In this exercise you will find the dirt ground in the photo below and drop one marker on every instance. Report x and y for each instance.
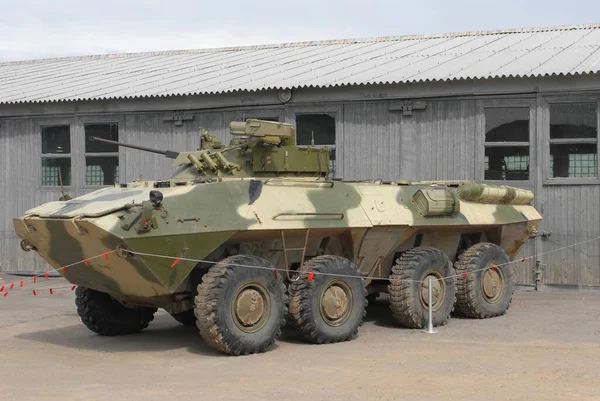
(547, 347)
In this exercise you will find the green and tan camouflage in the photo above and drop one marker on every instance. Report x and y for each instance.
(262, 195)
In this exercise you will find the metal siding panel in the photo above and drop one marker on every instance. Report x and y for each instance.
(523, 271)
(425, 63)
(446, 131)
(374, 64)
(150, 130)
(402, 59)
(571, 214)
(19, 162)
(372, 141)
(345, 58)
(409, 148)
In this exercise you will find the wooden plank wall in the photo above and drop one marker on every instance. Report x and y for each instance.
(572, 214)
(440, 142)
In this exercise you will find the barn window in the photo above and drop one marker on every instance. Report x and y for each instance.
(317, 130)
(56, 155)
(101, 159)
(574, 140)
(506, 143)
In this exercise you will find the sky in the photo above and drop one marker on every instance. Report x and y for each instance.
(46, 29)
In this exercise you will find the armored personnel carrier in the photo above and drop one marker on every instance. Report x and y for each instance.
(249, 235)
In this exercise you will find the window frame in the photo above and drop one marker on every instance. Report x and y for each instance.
(120, 154)
(263, 113)
(482, 144)
(547, 180)
(336, 112)
(39, 125)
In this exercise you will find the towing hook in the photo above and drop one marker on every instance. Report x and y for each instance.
(27, 246)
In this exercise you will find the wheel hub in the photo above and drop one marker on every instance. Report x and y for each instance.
(336, 303)
(250, 308)
(492, 284)
(438, 290)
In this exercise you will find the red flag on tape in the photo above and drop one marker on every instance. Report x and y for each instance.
(51, 292)
(523, 260)
(106, 256)
(12, 285)
(21, 283)
(310, 276)
(1, 288)
(64, 269)
(46, 274)
(34, 279)
(493, 267)
(85, 262)
(34, 293)
(5, 294)
(175, 263)
(73, 288)
(276, 274)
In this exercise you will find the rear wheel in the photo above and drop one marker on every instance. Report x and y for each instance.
(331, 307)
(241, 305)
(409, 286)
(106, 316)
(487, 289)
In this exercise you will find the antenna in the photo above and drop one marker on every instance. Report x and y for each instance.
(312, 138)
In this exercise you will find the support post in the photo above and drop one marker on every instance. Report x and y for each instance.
(430, 329)
(537, 274)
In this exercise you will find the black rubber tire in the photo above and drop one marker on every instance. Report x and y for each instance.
(214, 317)
(372, 298)
(404, 294)
(470, 300)
(305, 299)
(187, 318)
(103, 315)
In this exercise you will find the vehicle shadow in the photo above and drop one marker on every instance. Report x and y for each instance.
(379, 313)
(163, 334)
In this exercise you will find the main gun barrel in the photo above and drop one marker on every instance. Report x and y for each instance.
(167, 153)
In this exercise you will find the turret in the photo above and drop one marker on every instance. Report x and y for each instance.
(259, 148)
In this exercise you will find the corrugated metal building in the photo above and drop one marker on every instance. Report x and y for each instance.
(517, 106)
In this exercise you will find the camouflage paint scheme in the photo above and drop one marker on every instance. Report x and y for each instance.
(258, 195)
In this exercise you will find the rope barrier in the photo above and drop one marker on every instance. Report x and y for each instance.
(310, 274)
(46, 274)
(396, 281)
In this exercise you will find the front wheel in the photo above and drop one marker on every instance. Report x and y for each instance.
(241, 305)
(331, 307)
(106, 316)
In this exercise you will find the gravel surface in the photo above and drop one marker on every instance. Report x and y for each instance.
(547, 347)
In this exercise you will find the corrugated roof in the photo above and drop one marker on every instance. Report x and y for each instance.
(567, 50)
